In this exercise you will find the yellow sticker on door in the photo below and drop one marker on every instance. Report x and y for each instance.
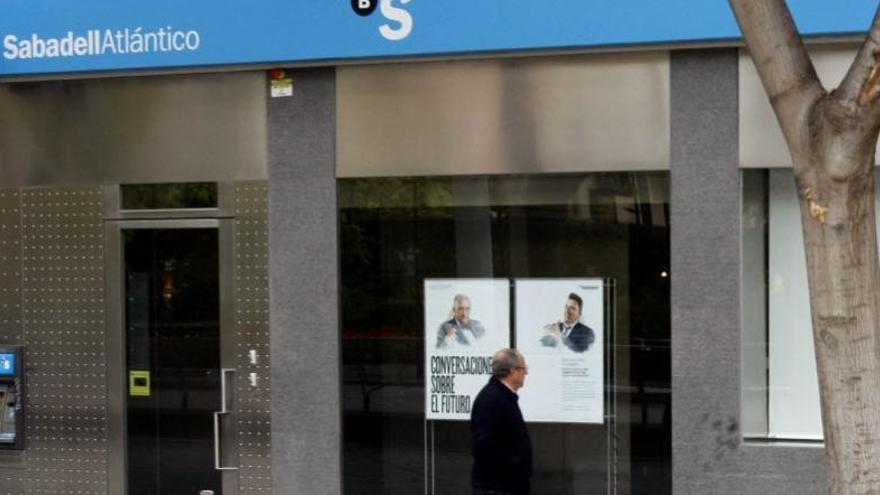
(139, 383)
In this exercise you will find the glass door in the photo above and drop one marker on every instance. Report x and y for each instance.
(171, 305)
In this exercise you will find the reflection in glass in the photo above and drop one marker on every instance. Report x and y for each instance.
(397, 232)
(169, 196)
(172, 335)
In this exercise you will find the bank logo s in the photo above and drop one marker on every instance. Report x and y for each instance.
(400, 23)
(400, 16)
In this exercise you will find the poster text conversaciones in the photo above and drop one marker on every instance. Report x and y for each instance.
(444, 398)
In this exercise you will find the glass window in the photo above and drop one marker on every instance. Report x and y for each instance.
(754, 304)
(397, 232)
(780, 385)
(169, 196)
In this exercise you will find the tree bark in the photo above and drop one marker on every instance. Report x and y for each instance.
(842, 267)
(832, 138)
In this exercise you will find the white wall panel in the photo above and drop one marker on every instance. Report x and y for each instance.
(761, 144)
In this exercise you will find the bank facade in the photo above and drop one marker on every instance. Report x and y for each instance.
(219, 227)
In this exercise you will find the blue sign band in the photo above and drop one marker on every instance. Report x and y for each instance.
(55, 36)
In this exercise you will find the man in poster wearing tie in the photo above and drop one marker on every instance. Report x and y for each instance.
(570, 332)
(461, 329)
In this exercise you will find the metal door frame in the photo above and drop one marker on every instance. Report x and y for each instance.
(116, 383)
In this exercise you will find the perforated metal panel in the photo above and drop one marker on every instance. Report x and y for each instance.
(252, 334)
(11, 483)
(52, 299)
(12, 473)
(62, 280)
(10, 268)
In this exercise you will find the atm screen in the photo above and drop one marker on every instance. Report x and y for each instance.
(7, 364)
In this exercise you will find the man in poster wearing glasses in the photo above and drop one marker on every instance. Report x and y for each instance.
(461, 330)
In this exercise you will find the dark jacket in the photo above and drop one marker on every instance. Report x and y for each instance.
(502, 449)
(580, 338)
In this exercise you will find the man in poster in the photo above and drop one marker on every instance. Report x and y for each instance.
(570, 332)
(461, 329)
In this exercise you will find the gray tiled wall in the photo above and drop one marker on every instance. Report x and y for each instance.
(303, 280)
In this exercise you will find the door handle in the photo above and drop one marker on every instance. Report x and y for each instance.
(224, 411)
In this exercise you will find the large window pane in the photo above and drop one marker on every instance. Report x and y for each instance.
(397, 232)
(780, 383)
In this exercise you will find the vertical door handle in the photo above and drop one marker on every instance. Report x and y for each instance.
(224, 411)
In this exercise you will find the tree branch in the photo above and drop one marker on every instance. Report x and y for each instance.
(862, 82)
(784, 66)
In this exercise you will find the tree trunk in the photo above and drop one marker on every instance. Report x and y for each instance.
(832, 138)
(837, 212)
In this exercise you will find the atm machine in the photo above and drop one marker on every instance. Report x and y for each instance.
(12, 398)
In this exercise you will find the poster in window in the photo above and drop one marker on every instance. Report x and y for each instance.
(466, 321)
(560, 331)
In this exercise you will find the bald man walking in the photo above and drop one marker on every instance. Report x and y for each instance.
(501, 445)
